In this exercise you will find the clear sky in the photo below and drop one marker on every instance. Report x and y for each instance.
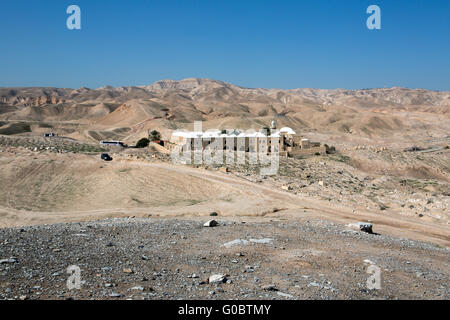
(252, 43)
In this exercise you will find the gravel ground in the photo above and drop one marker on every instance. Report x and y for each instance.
(155, 258)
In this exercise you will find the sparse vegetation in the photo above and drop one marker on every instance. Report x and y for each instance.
(58, 145)
(266, 130)
(142, 143)
(344, 128)
(154, 136)
(45, 125)
(341, 158)
(330, 150)
(15, 128)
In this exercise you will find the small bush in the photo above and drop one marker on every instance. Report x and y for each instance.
(330, 150)
(155, 135)
(142, 143)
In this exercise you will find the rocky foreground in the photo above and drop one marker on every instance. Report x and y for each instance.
(245, 258)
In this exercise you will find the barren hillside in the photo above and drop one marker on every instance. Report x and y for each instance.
(286, 236)
(409, 114)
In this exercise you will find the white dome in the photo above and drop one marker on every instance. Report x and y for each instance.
(287, 130)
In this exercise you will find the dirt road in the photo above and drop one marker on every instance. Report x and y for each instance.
(164, 189)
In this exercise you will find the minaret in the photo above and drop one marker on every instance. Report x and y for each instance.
(274, 126)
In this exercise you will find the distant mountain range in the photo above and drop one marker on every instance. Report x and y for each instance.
(170, 104)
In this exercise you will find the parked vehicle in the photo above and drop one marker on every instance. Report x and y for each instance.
(105, 157)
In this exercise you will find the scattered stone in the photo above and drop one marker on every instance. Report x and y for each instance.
(140, 288)
(285, 295)
(116, 295)
(10, 260)
(249, 269)
(235, 242)
(263, 241)
(314, 284)
(270, 287)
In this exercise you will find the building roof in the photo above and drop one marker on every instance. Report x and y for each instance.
(287, 130)
(217, 134)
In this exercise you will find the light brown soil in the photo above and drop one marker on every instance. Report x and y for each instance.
(43, 188)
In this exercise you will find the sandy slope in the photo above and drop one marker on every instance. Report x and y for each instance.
(42, 188)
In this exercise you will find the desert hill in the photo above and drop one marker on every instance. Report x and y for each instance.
(169, 104)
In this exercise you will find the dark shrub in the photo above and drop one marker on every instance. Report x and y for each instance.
(155, 135)
(142, 143)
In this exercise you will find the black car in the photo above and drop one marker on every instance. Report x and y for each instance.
(106, 157)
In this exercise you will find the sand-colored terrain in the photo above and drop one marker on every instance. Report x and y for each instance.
(43, 188)
(134, 224)
(398, 115)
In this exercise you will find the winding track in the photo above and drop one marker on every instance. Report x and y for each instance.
(259, 199)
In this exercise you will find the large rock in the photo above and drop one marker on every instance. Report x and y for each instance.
(217, 278)
(211, 223)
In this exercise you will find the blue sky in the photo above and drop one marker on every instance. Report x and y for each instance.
(253, 43)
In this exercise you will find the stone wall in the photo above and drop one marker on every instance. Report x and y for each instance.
(310, 151)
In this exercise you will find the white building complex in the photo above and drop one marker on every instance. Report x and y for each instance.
(283, 141)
